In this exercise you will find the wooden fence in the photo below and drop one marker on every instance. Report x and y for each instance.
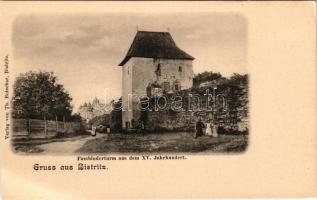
(35, 128)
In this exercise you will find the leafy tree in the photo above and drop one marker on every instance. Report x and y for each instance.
(38, 95)
(100, 120)
(237, 96)
(238, 79)
(205, 76)
(86, 111)
(76, 118)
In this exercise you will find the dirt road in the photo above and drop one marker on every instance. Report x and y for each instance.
(66, 147)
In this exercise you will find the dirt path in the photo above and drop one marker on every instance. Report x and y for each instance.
(65, 147)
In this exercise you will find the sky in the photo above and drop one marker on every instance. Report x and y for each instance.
(84, 50)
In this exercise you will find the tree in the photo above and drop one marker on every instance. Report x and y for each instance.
(86, 111)
(38, 95)
(204, 77)
(76, 118)
(237, 97)
(238, 79)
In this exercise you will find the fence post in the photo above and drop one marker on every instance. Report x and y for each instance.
(56, 124)
(64, 124)
(29, 128)
(45, 131)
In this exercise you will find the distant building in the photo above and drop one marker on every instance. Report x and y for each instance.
(153, 65)
(94, 109)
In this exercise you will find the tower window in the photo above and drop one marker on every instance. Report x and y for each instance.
(177, 86)
(166, 86)
(180, 69)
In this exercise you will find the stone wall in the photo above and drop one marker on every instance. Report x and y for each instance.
(232, 116)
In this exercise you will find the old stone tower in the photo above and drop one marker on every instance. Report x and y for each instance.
(153, 63)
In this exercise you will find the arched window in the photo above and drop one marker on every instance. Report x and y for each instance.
(148, 90)
(166, 86)
(177, 86)
(180, 68)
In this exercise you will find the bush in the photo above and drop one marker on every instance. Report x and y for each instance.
(229, 131)
(103, 120)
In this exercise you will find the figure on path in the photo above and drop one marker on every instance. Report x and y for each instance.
(199, 128)
(208, 128)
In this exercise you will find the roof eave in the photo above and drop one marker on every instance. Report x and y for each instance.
(126, 59)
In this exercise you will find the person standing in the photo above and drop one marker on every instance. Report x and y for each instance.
(208, 129)
(93, 131)
(141, 127)
(214, 131)
(199, 128)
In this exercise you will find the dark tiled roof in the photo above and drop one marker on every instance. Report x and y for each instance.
(154, 45)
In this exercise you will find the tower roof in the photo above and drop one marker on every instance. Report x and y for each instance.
(154, 45)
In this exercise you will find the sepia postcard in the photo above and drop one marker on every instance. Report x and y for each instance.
(104, 100)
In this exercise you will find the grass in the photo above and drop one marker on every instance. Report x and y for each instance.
(165, 143)
(26, 148)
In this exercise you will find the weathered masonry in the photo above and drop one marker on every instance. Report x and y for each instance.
(153, 64)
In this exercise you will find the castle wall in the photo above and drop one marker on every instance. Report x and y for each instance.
(167, 119)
